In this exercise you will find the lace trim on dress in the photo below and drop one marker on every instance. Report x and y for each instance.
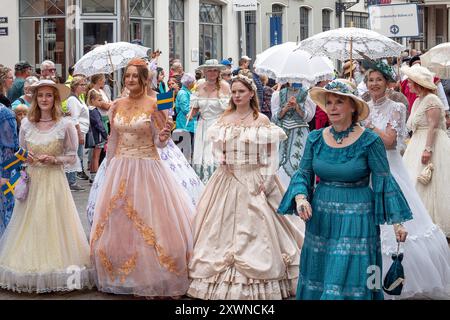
(257, 133)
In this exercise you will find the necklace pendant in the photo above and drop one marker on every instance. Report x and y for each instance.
(339, 140)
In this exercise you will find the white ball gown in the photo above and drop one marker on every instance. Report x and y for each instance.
(426, 253)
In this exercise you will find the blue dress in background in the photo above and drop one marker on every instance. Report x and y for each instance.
(342, 239)
(9, 143)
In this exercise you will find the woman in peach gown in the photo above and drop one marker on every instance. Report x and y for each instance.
(141, 238)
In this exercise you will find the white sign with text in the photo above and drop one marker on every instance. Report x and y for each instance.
(245, 5)
(400, 20)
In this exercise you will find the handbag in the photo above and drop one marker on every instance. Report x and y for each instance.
(426, 174)
(89, 140)
(22, 186)
(395, 277)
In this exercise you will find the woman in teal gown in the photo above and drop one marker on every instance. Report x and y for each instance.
(341, 255)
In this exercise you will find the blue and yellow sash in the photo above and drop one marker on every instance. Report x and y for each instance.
(13, 164)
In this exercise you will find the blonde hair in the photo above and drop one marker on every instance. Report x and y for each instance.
(3, 76)
(34, 115)
(92, 94)
(76, 82)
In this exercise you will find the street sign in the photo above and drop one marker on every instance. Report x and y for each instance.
(3, 19)
(397, 20)
(245, 5)
(3, 31)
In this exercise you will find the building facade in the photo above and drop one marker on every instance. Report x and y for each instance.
(189, 30)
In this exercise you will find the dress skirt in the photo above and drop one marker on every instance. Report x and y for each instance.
(243, 249)
(45, 248)
(141, 238)
(435, 195)
(342, 244)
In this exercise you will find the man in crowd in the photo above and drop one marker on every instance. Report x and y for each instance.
(22, 70)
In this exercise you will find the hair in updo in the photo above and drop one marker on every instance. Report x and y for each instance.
(142, 69)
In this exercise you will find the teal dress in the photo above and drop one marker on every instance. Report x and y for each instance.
(341, 253)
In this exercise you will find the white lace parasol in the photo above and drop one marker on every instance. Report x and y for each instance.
(437, 59)
(285, 64)
(108, 58)
(335, 44)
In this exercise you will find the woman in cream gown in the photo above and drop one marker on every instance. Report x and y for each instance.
(45, 246)
(242, 248)
(427, 109)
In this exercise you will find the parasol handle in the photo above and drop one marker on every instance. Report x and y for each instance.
(351, 53)
(351, 58)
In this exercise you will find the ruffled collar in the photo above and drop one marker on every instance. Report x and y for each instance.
(380, 101)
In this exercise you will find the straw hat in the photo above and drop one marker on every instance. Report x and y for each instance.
(420, 75)
(348, 65)
(343, 88)
(64, 91)
(212, 64)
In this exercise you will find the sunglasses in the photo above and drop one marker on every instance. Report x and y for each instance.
(226, 74)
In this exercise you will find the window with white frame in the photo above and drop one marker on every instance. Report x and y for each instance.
(142, 22)
(107, 7)
(210, 46)
(42, 30)
(304, 22)
(176, 30)
(326, 19)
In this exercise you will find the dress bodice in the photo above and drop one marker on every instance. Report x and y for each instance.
(210, 108)
(235, 144)
(384, 112)
(135, 135)
(418, 118)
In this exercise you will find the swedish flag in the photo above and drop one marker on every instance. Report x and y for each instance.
(9, 186)
(20, 156)
(165, 100)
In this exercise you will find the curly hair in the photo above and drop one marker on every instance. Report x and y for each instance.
(4, 71)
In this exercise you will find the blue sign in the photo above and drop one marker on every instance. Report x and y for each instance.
(276, 31)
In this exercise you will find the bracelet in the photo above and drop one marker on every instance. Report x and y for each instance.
(428, 149)
(300, 197)
(398, 224)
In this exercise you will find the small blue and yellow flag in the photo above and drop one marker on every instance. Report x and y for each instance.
(165, 100)
(10, 185)
(20, 156)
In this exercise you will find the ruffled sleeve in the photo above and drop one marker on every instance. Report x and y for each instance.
(70, 144)
(390, 203)
(303, 180)
(432, 101)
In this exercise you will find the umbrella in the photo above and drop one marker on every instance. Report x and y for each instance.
(437, 59)
(344, 44)
(108, 58)
(285, 64)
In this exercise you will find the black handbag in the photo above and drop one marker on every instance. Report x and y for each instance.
(395, 277)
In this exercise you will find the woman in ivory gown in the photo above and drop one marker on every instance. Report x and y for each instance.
(426, 253)
(242, 248)
(141, 237)
(429, 143)
(208, 103)
(44, 243)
